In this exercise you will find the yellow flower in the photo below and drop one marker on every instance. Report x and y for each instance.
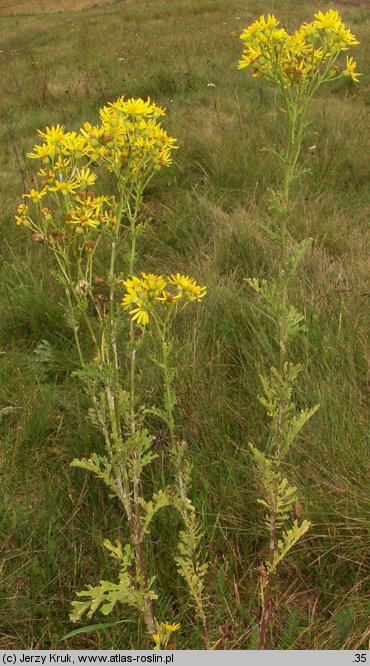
(92, 202)
(129, 299)
(140, 315)
(22, 217)
(280, 35)
(134, 290)
(291, 60)
(170, 628)
(164, 157)
(167, 297)
(22, 209)
(44, 152)
(64, 186)
(89, 213)
(46, 174)
(137, 107)
(188, 285)
(142, 293)
(350, 70)
(74, 144)
(132, 283)
(107, 219)
(132, 143)
(97, 202)
(154, 284)
(83, 217)
(164, 631)
(157, 132)
(346, 36)
(260, 26)
(249, 56)
(91, 132)
(85, 177)
(61, 164)
(329, 20)
(264, 44)
(35, 195)
(113, 122)
(144, 144)
(53, 134)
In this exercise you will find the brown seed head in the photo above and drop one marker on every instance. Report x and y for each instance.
(98, 279)
(38, 238)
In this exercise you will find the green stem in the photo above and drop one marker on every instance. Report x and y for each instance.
(90, 329)
(75, 327)
(161, 328)
(132, 384)
(296, 120)
(136, 530)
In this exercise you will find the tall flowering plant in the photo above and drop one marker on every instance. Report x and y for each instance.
(297, 65)
(69, 215)
(154, 301)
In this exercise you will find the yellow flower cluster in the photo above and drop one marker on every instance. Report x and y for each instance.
(297, 59)
(143, 294)
(129, 142)
(58, 144)
(72, 205)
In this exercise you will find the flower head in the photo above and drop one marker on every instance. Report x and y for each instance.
(188, 287)
(44, 152)
(170, 628)
(350, 70)
(153, 284)
(163, 634)
(330, 19)
(62, 164)
(136, 107)
(35, 195)
(53, 134)
(74, 144)
(332, 22)
(144, 295)
(64, 186)
(297, 59)
(131, 141)
(84, 177)
(22, 217)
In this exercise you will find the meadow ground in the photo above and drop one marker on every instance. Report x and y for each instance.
(61, 66)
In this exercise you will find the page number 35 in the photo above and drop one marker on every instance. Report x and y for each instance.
(359, 658)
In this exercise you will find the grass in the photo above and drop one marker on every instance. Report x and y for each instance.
(61, 68)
